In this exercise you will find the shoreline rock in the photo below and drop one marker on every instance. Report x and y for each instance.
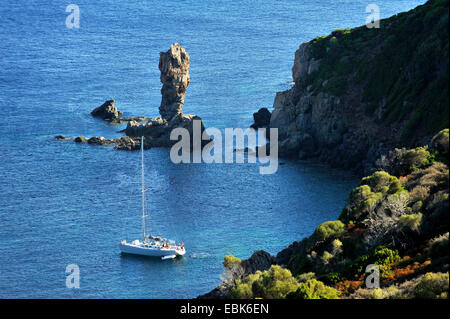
(107, 111)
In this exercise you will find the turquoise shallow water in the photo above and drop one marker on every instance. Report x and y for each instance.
(63, 203)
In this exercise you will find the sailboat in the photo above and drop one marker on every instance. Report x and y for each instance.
(155, 246)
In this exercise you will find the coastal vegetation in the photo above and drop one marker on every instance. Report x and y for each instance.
(364, 99)
(398, 222)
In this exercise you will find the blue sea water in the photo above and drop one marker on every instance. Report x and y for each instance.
(62, 203)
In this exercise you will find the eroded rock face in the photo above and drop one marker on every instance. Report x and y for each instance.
(174, 66)
(157, 130)
(261, 118)
(107, 111)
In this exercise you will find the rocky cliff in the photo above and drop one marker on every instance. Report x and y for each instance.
(361, 92)
(174, 66)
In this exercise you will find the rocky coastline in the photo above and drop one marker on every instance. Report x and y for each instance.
(397, 218)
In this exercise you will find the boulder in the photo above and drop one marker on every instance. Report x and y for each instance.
(174, 67)
(107, 111)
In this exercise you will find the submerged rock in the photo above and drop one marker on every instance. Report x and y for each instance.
(107, 111)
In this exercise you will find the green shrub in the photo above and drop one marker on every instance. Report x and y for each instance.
(274, 283)
(410, 221)
(329, 229)
(371, 201)
(314, 289)
(395, 187)
(336, 246)
(432, 286)
(359, 194)
(404, 161)
(243, 288)
(230, 261)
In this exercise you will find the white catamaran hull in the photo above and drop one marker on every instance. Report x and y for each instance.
(156, 246)
(154, 251)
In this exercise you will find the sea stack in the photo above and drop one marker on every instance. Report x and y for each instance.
(174, 66)
(107, 111)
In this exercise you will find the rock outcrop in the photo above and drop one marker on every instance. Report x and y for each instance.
(357, 93)
(107, 111)
(124, 143)
(406, 237)
(174, 66)
(261, 118)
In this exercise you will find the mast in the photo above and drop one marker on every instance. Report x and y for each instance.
(143, 190)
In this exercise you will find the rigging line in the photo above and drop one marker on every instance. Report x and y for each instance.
(131, 191)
